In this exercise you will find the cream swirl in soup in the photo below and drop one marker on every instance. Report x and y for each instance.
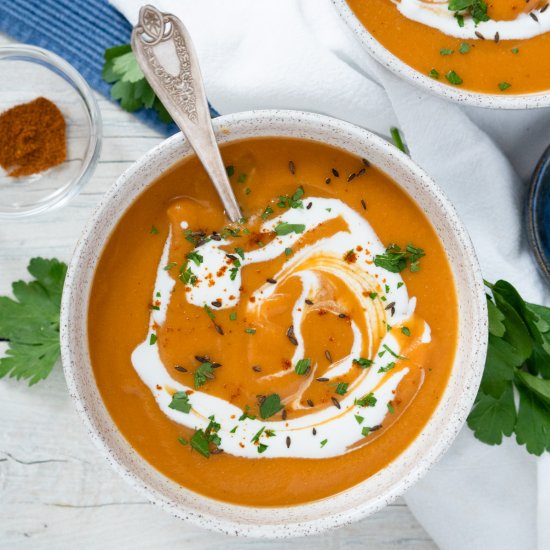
(440, 16)
(377, 360)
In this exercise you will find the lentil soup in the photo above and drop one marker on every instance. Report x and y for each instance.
(284, 358)
(496, 47)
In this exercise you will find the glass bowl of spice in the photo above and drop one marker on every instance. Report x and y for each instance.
(50, 131)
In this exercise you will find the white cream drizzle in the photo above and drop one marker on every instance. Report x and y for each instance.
(338, 427)
(438, 16)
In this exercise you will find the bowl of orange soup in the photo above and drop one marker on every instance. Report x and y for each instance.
(485, 54)
(293, 371)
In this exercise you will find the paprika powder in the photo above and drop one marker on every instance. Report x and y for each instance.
(32, 138)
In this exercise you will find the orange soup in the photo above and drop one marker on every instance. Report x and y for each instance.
(498, 47)
(283, 358)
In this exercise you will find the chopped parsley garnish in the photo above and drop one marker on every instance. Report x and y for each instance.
(302, 366)
(249, 330)
(241, 178)
(285, 228)
(270, 405)
(154, 230)
(288, 251)
(262, 447)
(183, 441)
(434, 74)
(365, 431)
(391, 352)
(266, 213)
(373, 295)
(233, 273)
(233, 316)
(341, 388)
(233, 430)
(362, 363)
(464, 48)
(246, 414)
(240, 252)
(395, 260)
(459, 19)
(203, 373)
(152, 339)
(453, 78)
(186, 275)
(387, 368)
(169, 266)
(446, 51)
(180, 402)
(256, 437)
(247, 191)
(391, 410)
(195, 257)
(366, 401)
(324, 442)
(515, 50)
(406, 331)
(397, 140)
(477, 9)
(209, 311)
(293, 201)
(359, 419)
(202, 438)
(230, 170)
(503, 86)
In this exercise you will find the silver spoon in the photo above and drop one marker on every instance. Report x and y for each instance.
(165, 53)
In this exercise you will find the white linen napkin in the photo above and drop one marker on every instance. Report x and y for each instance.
(297, 54)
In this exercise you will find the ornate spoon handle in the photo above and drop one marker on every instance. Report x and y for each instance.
(165, 53)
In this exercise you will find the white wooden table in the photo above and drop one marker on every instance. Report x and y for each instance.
(56, 491)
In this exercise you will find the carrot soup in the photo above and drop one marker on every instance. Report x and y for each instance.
(283, 358)
(498, 47)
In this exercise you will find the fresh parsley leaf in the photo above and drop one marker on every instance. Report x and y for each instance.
(285, 228)
(30, 322)
(270, 405)
(203, 373)
(362, 363)
(453, 78)
(397, 140)
(199, 442)
(302, 366)
(180, 402)
(129, 85)
(395, 260)
(368, 400)
(518, 359)
(341, 388)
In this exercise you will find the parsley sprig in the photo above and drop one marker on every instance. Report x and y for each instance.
(518, 363)
(30, 322)
(396, 260)
(129, 86)
(477, 9)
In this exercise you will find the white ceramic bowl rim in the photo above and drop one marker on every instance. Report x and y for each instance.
(400, 68)
(360, 500)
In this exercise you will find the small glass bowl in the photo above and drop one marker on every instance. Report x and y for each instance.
(27, 72)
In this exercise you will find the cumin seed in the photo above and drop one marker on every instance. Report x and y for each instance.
(309, 206)
(335, 173)
(363, 204)
(271, 280)
(327, 181)
(335, 402)
(314, 431)
(497, 38)
(216, 303)
(479, 35)
(202, 358)
(219, 329)
(180, 369)
(322, 379)
(283, 414)
(533, 16)
(328, 355)
(257, 368)
(365, 162)
(310, 403)
(288, 442)
(351, 177)
(292, 167)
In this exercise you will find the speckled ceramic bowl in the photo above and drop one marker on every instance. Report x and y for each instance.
(400, 68)
(352, 504)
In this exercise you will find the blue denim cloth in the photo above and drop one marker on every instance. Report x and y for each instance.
(77, 30)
